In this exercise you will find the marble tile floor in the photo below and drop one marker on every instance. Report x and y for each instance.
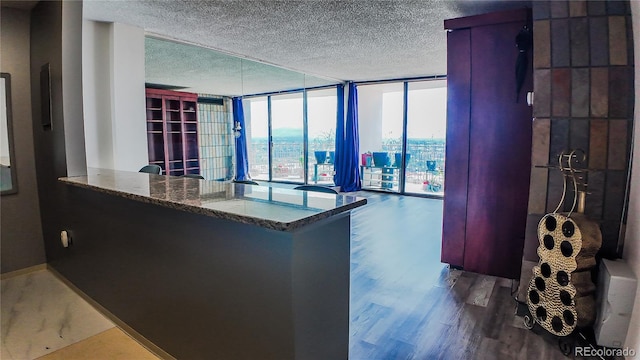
(40, 315)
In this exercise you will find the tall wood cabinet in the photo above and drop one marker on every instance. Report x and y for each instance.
(488, 151)
(172, 131)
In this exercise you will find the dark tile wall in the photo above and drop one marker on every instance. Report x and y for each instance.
(583, 70)
(599, 41)
(561, 85)
(578, 8)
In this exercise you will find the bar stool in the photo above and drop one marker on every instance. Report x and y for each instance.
(151, 169)
(317, 188)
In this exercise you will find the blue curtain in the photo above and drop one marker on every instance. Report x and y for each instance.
(339, 158)
(242, 162)
(347, 143)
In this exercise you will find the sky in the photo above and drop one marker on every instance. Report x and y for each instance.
(287, 113)
(426, 114)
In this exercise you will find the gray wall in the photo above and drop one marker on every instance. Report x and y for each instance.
(57, 154)
(21, 242)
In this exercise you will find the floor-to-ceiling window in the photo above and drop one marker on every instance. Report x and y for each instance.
(256, 111)
(426, 131)
(279, 130)
(321, 125)
(287, 137)
(394, 116)
(380, 116)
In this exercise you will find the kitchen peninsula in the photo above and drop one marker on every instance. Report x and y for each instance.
(207, 269)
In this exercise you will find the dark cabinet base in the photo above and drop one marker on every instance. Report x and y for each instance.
(206, 288)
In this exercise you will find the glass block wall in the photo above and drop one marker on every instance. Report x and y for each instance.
(215, 138)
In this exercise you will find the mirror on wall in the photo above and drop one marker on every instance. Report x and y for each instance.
(8, 176)
(217, 77)
(186, 67)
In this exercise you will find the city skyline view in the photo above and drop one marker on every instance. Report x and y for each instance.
(381, 130)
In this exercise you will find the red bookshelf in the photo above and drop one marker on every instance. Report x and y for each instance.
(172, 131)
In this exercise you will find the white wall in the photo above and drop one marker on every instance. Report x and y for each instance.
(96, 75)
(128, 98)
(632, 238)
(114, 97)
(72, 87)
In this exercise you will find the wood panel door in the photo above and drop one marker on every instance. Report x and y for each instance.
(457, 147)
(486, 196)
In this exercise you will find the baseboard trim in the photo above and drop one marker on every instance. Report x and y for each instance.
(136, 336)
(24, 271)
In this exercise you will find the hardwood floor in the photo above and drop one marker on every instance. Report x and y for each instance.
(405, 304)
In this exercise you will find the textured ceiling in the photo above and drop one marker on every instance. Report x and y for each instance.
(341, 40)
(201, 70)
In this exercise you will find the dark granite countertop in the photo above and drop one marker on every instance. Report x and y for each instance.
(264, 206)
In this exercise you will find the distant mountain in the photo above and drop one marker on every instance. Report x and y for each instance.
(295, 135)
(287, 133)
